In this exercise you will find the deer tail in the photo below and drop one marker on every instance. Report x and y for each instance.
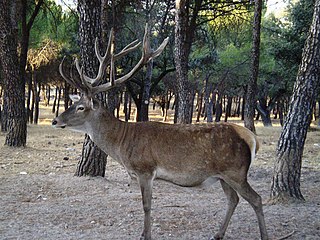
(250, 138)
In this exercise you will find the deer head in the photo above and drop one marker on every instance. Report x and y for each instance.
(79, 113)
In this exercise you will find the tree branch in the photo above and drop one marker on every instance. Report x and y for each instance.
(34, 14)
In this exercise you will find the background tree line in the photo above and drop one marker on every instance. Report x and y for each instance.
(218, 65)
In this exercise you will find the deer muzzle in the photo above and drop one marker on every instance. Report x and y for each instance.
(57, 123)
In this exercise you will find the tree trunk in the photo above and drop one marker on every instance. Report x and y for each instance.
(58, 101)
(126, 107)
(32, 103)
(14, 85)
(93, 161)
(29, 95)
(4, 114)
(95, 164)
(181, 61)
(264, 111)
(209, 111)
(228, 108)
(144, 111)
(44, 94)
(280, 111)
(184, 34)
(243, 106)
(168, 97)
(66, 91)
(218, 107)
(319, 113)
(287, 169)
(48, 95)
(37, 101)
(112, 102)
(252, 84)
(199, 103)
(208, 103)
(55, 100)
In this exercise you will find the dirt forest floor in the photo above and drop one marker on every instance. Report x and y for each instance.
(40, 198)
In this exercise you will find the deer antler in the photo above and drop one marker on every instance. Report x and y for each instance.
(90, 85)
(70, 79)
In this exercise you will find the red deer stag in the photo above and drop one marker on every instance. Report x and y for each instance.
(186, 155)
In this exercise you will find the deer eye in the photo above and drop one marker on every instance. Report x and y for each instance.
(80, 108)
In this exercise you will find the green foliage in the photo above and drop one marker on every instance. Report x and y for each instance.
(282, 43)
(54, 24)
(232, 70)
(225, 51)
(53, 34)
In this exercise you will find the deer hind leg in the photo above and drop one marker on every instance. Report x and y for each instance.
(233, 200)
(146, 182)
(254, 199)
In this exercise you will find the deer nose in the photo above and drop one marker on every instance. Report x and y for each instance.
(54, 122)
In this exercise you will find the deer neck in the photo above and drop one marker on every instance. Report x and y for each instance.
(106, 131)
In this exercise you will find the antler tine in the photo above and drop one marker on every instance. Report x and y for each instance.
(71, 81)
(147, 54)
(130, 47)
(147, 49)
(112, 72)
(110, 43)
(103, 60)
(159, 50)
(62, 73)
(86, 85)
(97, 50)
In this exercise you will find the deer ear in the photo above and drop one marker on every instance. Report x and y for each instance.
(74, 98)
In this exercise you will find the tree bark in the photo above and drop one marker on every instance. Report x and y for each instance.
(4, 113)
(287, 170)
(208, 103)
(228, 109)
(26, 25)
(184, 34)
(29, 91)
(252, 84)
(93, 161)
(55, 100)
(199, 104)
(125, 106)
(145, 99)
(66, 91)
(264, 110)
(58, 101)
(36, 99)
(218, 108)
(48, 95)
(14, 86)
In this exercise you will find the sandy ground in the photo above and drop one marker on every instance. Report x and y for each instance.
(41, 199)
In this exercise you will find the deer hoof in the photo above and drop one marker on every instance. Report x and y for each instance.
(144, 237)
(217, 237)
